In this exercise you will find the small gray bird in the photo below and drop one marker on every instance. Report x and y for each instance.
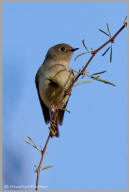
(52, 79)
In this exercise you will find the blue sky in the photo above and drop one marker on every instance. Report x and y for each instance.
(90, 153)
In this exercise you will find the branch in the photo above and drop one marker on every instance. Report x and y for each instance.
(111, 40)
(41, 160)
(68, 92)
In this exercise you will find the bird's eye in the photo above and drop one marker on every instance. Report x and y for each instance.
(62, 48)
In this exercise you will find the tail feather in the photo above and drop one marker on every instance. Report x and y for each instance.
(61, 114)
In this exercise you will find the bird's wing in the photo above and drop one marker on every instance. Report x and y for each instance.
(61, 112)
(45, 109)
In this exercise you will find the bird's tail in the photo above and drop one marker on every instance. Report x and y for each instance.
(54, 124)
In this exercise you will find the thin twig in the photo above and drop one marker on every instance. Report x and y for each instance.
(41, 160)
(80, 83)
(111, 40)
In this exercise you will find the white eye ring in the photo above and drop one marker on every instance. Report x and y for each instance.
(62, 49)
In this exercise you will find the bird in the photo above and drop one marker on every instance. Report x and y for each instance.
(52, 79)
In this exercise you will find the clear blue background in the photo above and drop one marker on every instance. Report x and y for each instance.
(90, 153)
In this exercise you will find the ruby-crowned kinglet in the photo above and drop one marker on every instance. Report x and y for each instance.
(52, 79)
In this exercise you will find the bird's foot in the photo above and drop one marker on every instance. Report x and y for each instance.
(53, 128)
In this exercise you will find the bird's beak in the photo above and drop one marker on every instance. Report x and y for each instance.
(74, 49)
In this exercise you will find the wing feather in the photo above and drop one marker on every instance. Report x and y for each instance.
(44, 108)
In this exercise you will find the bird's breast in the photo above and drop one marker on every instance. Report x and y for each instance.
(53, 82)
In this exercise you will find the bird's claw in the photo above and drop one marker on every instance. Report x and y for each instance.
(53, 128)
